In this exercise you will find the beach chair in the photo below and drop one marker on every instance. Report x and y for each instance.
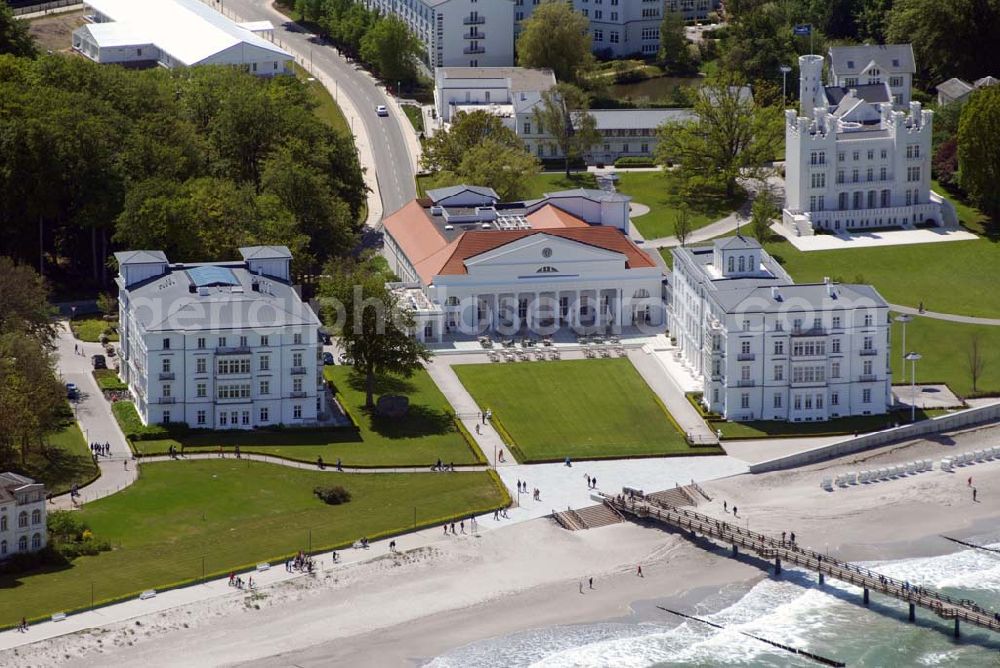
(980, 455)
(911, 467)
(883, 474)
(930, 464)
(946, 464)
(827, 484)
(900, 470)
(864, 477)
(555, 354)
(852, 478)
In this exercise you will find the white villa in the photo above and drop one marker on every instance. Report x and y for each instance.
(513, 94)
(221, 345)
(853, 159)
(175, 33)
(470, 264)
(767, 348)
(22, 515)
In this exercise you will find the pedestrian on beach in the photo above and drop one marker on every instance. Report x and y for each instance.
(593, 482)
(735, 511)
(453, 528)
(973, 493)
(496, 514)
(638, 571)
(725, 506)
(477, 429)
(581, 586)
(587, 476)
(126, 464)
(591, 583)
(461, 525)
(792, 536)
(445, 528)
(970, 481)
(782, 537)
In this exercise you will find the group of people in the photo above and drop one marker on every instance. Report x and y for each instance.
(522, 488)
(237, 581)
(790, 536)
(22, 626)
(443, 467)
(100, 450)
(461, 527)
(591, 481)
(302, 562)
(500, 512)
(486, 416)
(725, 507)
(172, 451)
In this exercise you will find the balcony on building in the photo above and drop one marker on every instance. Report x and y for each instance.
(474, 20)
(745, 383)
(166, 375)
(166, 400)
(299, 370)
(232, 350)
(809, 331)
(478, 34)
(746, 357)
(473, 50)
(298, 394)
(867, 378)
(868, 351)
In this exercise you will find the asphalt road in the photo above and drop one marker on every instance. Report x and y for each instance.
(392, 161)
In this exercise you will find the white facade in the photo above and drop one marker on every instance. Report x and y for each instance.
(175, 33)
(22, 515)
(854, 161)
(620, 28)
(472, 265)
(226, 345)
(457, 33)
(769, 349)
(867, 64)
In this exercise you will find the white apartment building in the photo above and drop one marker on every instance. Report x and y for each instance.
(867, 65)
(22, 515)
(514, 93)
(767, 348)
(470, 264)
(455, 33)
(854, 161)
(621, 28)
(175, 33)
(221, 345)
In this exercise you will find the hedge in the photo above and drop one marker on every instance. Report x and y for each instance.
(135, 430)
(470, 441)
(634, 161)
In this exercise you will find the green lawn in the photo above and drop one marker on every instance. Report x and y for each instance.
(235, 514)
(579, 408)
(416, 117)
(327, 109)
(848, 425)
(427, 434)
(909, 275)
(90, 327)
(970, 217)
(107, 379)
(64, 460)
(654, 189)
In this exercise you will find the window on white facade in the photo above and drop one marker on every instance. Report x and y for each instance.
(265, 362)
(297, 338)
(779, 372)
(835, 370)
(264, 341)
(265, 387)
(201, 390)
(263, 414)
(746, 325)
(779, 347)
(745, 400)
(835, 399)
(744, 347)
(297, 412)
(866, 396)
(201, 365)
(868, 343)
(777, 400)
(797, 402)
(200, 417)
(744, 372)
(868, 320)
(867, 368)
(165, 390)
(201, 342)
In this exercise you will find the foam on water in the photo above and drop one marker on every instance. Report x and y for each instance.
(792, 611)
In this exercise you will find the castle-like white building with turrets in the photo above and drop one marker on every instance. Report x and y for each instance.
(857, 153)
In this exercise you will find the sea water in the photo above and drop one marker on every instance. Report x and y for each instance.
(793, 610)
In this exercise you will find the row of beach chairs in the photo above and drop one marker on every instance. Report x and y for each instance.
(877, 475)
(966, 458)
(603, 351)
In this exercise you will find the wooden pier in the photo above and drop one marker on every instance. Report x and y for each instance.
(787, 552)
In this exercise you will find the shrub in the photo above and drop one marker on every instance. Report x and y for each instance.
(70, 537)
(333, 495)
(635, 161)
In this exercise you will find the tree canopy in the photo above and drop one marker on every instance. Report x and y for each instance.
(728, 137)
(979, 150)
(14, 36)
(563, 115)
(370, 323)
(558, 38)
(191, 161)
(392, 49)
(675, 54)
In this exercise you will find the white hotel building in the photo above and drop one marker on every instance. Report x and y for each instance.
(222, 345)
(767, 348)
(853, 159)
(22, 515)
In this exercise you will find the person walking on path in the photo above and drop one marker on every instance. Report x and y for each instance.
(581, 586)
(638, 570)
(970, 481)
(725, 506)
(591, 583)
(593, 482)
(587, 476)
(973, 493)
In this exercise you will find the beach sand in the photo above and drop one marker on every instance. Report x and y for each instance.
(402, 610)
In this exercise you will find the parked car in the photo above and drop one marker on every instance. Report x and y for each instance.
(380, 110)
(328, 358)
(99, 362)
(72, 391)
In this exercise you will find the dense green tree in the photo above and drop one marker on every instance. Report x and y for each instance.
(507, 169)
(676, 55)
(392, 50)
(763, 211)
(758, 42)
(14, 36)
(557, 38)
(979, 150)
(370, 323)
(872, 20)
(563, 115)
(24, 305)
(446, 150)
(729, 137)
(957, 38)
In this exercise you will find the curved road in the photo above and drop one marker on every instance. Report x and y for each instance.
(386, 137)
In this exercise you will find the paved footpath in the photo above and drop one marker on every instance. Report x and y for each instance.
(93, 414)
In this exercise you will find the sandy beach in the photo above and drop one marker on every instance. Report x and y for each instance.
(402, 610)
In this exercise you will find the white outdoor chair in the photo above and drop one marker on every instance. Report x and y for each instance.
(946, 464)
(827, 484)
(911, 467)
(852, 478)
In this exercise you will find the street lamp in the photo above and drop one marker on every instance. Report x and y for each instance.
(904, 318)
(785, 69)
(912, 358)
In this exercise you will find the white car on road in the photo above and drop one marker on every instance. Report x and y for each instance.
(380, 110)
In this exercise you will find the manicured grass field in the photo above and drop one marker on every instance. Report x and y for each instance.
(415, 117)
(947, 277)
(970, 217)
(945, 350)
(654, 189)
(234, 514)
(577, 408)
(107, 379)
(89, 328)
(425, 435)
(64, 460)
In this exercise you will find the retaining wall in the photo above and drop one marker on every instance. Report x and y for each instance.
(943, 423)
